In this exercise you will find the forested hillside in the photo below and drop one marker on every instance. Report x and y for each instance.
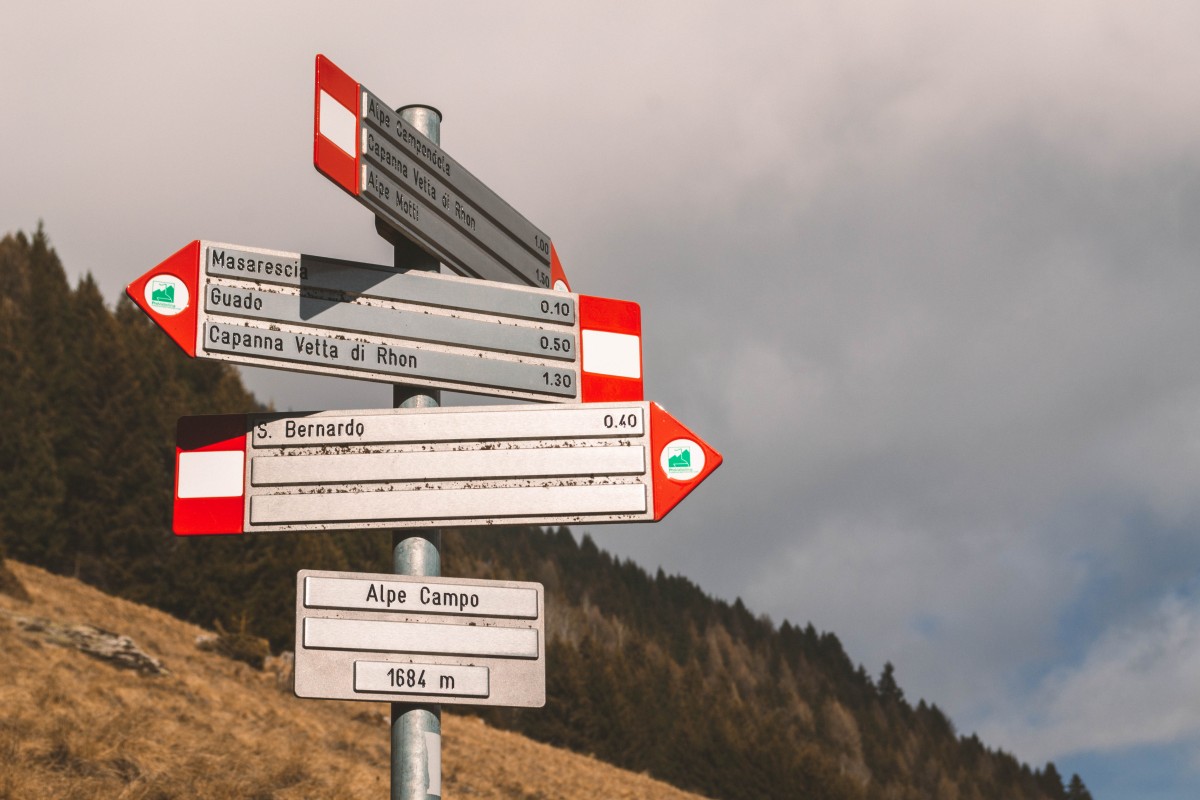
(645, 671)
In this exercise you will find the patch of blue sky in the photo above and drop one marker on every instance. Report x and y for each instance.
(1157, 772)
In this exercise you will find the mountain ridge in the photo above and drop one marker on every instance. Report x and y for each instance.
(645, 671)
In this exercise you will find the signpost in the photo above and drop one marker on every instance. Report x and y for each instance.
(365, 147)
(598, 453)
(396, 468)
(271, 308)
(395, 638)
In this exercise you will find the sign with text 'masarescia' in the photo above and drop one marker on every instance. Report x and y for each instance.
(363, 145)
(423, 467)
(270, 308)
(396, 638)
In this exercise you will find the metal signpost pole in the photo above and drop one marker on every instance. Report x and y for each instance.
(416, 729)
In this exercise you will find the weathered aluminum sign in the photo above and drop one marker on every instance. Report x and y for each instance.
(396, 468)
(362, 145)
(270, 308)
(409, 639)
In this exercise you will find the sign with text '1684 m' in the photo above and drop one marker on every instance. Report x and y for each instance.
(423, 467)
(408, 639)
(362, 145)
(269, 308)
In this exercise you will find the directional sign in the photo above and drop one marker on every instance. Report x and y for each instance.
(269, 308)
(362, 145)
(396, 468)
(407, 639)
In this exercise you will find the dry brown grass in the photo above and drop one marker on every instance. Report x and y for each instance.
(72, 726)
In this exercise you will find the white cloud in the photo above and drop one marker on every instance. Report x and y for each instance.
(1138, 685)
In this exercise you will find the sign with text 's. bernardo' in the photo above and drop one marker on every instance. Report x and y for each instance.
(292, 311)
(366, 148)
(362, 636)
(396, 468)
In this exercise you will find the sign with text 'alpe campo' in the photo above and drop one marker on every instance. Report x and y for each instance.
(269, 308)
(362, 145)
(396, 638)
(424, 467)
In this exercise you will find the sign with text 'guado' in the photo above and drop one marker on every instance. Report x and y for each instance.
(407, 639)
(270, 308)
(424, 467)
(362, 145)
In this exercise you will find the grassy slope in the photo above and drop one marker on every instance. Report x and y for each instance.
(74, 726)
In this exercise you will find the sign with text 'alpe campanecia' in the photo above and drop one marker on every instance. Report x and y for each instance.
(270, 308)
(413, 639)
(426, 467)
(362, 145)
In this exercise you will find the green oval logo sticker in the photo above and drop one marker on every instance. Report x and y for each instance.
(167, 295)
(682, 460)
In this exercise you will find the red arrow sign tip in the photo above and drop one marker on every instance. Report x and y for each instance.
(681, 460)
(558, 278)
(168, 295)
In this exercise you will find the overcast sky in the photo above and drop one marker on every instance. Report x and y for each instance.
(925, 273)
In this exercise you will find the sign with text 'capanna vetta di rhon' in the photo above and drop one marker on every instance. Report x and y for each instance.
(271, 308)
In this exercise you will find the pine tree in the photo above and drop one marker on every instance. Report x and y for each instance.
(30, 485)
(1051, 783)
(889, 690)
(1076, 790)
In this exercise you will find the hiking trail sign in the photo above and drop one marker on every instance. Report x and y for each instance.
(396, 638)
(270, 308)
(596, 453)
(425, 467)
(362, 144)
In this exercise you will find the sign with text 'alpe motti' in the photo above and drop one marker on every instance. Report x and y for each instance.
(396, 638)
(424, 467)
(269, 308)
(362, 145)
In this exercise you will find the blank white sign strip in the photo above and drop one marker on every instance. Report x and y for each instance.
(446, 465)
(446, 504)
(419, 637)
